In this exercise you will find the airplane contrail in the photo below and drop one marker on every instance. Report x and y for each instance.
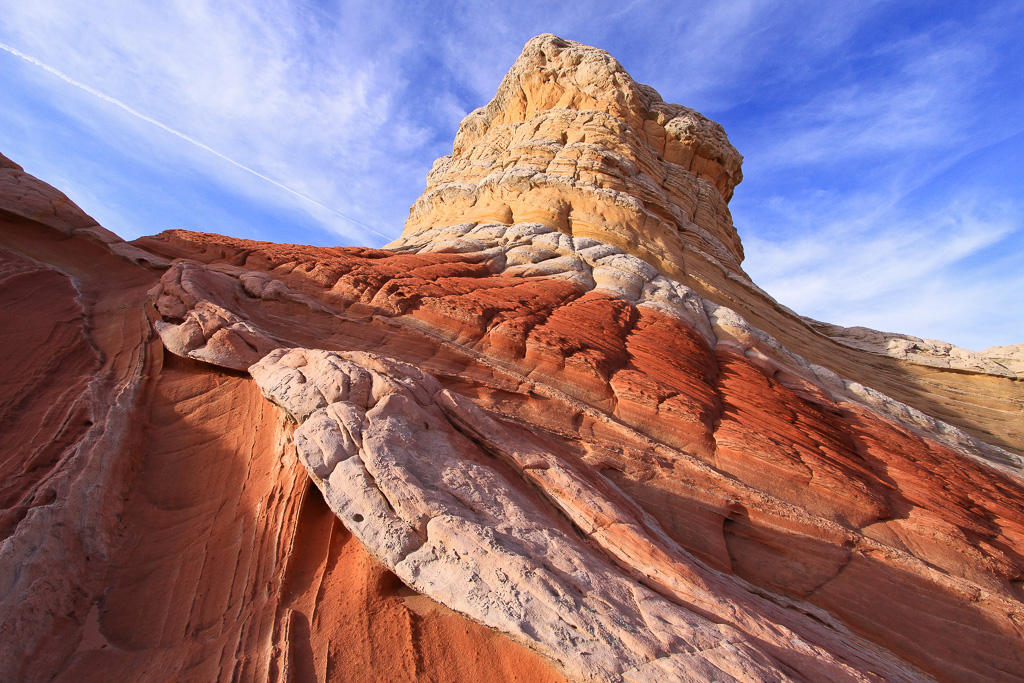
(186, 138)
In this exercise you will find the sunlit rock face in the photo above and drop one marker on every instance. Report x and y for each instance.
(552, 432)
(572, 142)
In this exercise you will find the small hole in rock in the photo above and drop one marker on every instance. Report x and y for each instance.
(357, 518)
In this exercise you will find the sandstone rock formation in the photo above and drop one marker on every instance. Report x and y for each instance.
(1000, 361)
(554, 430)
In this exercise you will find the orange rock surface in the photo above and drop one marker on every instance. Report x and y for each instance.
(169, 536)
(552, 431)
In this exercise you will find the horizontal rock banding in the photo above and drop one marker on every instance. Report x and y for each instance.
(555, 405)
(816, 480)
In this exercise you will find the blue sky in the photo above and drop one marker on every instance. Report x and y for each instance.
(883, 141)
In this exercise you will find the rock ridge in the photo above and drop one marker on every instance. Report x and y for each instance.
(555, 413)
(503, 259)
(573, 142)
(1001, 361)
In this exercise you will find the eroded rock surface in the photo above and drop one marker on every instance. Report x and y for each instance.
(410, 468)
(571, 141)
(153, 524)
(999, 361)
(554, 425)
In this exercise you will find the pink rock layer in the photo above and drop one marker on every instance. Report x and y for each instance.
(151, 526)
(560, 375)
(907, 543)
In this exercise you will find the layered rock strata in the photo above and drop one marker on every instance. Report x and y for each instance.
(153, 524)
(571, 141)
(998, 361)
(556, 409)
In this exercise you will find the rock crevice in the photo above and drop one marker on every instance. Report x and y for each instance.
(554, 413)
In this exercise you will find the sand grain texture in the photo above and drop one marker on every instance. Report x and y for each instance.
(552, 432)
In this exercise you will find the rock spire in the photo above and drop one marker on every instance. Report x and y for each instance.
(553, 432)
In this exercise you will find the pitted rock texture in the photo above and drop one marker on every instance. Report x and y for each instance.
(754, 461)
(555, 410)
(388, 446)
(572, 141)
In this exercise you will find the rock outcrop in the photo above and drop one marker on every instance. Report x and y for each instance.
(554, 430)
(998, 361)
(572, 142)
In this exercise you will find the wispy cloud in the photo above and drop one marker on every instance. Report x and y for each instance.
(875, 192)
(265, 87)
(943, 274)
(865, 126)
(147, 119)
(907, 110)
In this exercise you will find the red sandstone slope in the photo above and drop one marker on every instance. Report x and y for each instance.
(151, 528)
(556, 406)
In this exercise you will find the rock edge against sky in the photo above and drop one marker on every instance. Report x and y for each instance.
(554, 430)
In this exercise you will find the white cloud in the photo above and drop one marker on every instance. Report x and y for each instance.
(848, 214)
(240, 80)
(179, 135)
(841, 111)
(937, 275)
(923, 106)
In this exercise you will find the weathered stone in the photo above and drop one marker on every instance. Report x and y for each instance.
(556, 405)
(429, 503)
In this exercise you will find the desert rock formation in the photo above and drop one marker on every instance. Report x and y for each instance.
(552, 432)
